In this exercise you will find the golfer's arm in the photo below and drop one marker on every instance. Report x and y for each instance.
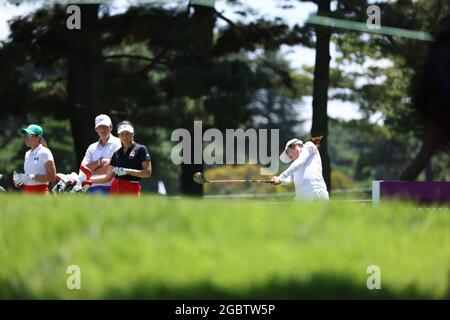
(297, 163)
(146, 172)
(103, 177)
(91, 165)
(50, 169)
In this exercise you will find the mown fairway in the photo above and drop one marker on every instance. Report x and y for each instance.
(164, 248)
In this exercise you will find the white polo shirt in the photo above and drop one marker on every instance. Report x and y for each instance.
(35, 163)
(97, 151)
(306, 173)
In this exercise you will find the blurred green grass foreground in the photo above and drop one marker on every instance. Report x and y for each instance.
(168, 248)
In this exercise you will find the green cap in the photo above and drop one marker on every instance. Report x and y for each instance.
(32, 129)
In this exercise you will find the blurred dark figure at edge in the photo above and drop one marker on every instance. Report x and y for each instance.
(434, 97)
(432, 100)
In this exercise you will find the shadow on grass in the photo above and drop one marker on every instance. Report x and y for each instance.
(319, 286)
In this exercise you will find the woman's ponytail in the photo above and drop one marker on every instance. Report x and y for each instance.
(43, 142)
(316, 141)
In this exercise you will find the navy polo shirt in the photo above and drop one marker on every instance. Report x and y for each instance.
(132, 159)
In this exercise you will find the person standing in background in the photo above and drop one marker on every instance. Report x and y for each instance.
(39, 165)
(98, 154)
(128, 165)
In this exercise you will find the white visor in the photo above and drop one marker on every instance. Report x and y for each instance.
(284, 156)
(125, 127)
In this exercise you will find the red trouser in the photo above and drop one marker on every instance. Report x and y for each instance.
(41, 188)
(125, 187)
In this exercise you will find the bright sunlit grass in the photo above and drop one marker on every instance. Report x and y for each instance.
(154, 248)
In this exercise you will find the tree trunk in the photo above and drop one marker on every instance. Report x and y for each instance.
(430, 143)
(320, 93)
(448, 170)
(429, 171)
(188, 186)
(198, 53)
(84, 70)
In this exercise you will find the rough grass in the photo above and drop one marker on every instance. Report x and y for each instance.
(166, 248)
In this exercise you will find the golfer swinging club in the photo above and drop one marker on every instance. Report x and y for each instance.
(305, 170)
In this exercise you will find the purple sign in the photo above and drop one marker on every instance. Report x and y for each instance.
(426, 192)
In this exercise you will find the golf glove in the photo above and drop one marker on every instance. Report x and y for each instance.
(22, 178)
(120, 171)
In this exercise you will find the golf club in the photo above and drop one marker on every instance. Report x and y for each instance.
(200, 179)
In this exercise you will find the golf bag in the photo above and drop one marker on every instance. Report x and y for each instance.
(73, 182)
